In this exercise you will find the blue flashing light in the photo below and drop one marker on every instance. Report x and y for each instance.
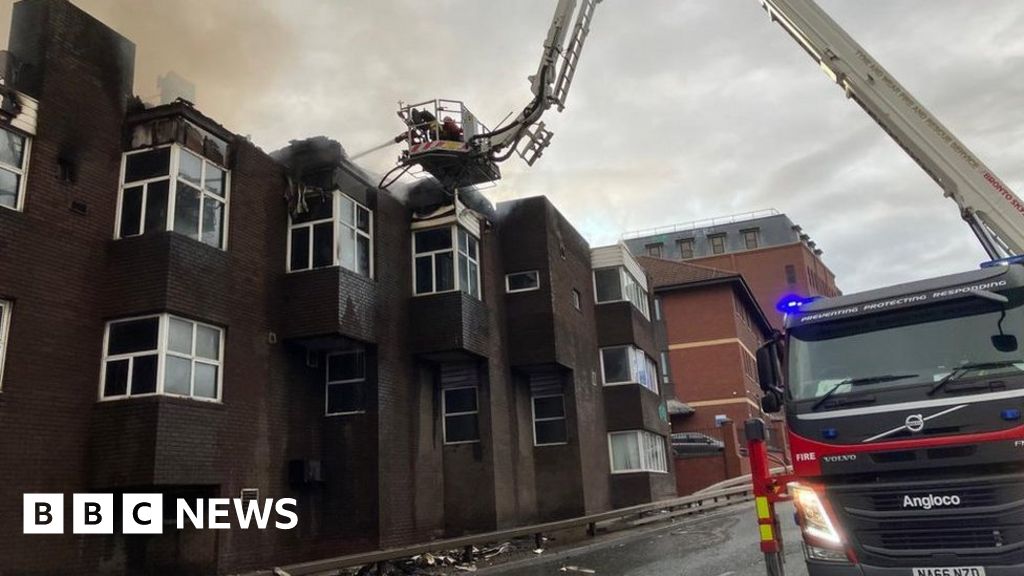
(830, 433)
(1003, 261)
(792, 302)
(1011, 414)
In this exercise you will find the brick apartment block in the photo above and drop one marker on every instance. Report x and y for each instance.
(183, 313)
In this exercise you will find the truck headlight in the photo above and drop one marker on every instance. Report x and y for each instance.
(816, 521)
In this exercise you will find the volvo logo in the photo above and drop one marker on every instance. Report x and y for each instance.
(915, 422)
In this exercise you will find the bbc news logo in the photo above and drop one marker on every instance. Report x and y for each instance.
(143, 513)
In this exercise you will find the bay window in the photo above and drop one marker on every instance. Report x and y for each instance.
(637, 451)
(435, 254)
(628, 365)
(171, 188)
(14, 149)
(161, 354)
(334, 231)
(617, 284)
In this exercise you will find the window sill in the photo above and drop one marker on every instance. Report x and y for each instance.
(212, 402)
(462, 442)
(551, 444)
(336, 267)
(637, 472)
(453, 291)
(613, 384)
(352, 413)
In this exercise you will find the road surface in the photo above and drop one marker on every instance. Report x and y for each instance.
(723, 544)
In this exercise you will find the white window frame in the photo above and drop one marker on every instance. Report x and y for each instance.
(173, 170)
(577, 300)
(508, 285)
(563, 418)
(445, 414)
(665, 377)
(337, 225)
(657, 308)
(651, 448)
(630, 291)
(6, 308)
(634, 356)
(329, 382)
(162, 351)
(20, 171)
(457, 252)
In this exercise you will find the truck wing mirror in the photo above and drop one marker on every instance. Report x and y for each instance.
(768, 371)
(1005, 342)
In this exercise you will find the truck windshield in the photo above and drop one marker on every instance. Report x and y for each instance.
(924, 344)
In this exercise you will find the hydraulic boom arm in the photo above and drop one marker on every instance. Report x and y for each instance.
(994, 212)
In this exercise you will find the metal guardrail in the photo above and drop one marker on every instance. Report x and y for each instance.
(699, 224)
(674, 507)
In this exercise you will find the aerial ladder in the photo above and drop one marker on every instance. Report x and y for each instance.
(448, 142)
(992, 210)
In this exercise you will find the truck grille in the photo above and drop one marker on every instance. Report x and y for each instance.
(988, 520)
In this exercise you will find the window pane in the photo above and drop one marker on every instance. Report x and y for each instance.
(156, 206)
(436, 239)
(459, 400)
(12, 148)
(320, 207)
(548, 407)
(148, 164)
(464, 428)
(133, 336)
(523, 281)
(144, 374)
(347, 248)
(347, 208)
(179, 336)
(424, 278)
(551, 432)
(300, 248)
(190, 168)
(206, 381)
(346, 366)
(213, 222)
(178, 377)
(116, 381)
(444, 271)
(616, 365)
(347, 397)
(9, 186)
(474, 282)
(131, 210)
(207, 342)
(323, 245)
(464, 273)
(364, 255)
(609, 284)
(625, 452)
(363, 219)
(186, 211)
(215, 179)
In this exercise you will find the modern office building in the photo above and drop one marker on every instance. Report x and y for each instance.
(184, 314)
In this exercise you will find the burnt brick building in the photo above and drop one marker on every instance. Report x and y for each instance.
(182, 313)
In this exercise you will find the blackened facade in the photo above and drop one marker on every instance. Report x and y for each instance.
(183, 313)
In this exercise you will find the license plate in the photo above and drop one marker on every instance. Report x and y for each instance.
(951, 571)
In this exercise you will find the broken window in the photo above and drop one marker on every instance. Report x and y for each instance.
(346, 382)
(190, 352)
(13, 162)
(637, 451)
(193, 203)
(750, 238)
(522, 281)
(311, 234)
(717, 243)
(654, 250)
(461, 415)
(549, 426)
(5, 327)
(685, 248)
(628, 365)
(434, 261)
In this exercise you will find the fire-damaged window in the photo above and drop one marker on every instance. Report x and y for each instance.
(14, 149)
(162, 355)
(436, 252)
(637, 451)
(461, 415)
(628, 365)
(5, 328)
(616, 284)
(346, 382)
(549, 420)
(318, 239)
(171, 188)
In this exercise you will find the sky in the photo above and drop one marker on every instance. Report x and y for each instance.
(681, 109)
